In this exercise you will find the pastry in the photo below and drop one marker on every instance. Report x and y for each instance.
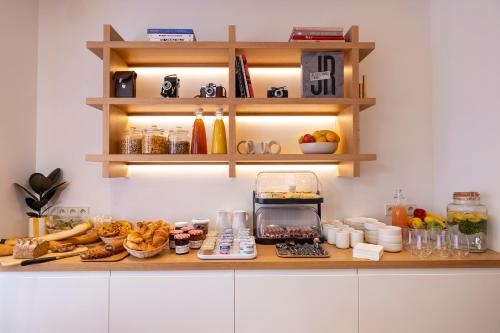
(88, 238)
(29, 248)
(114, 229)
(64, 247)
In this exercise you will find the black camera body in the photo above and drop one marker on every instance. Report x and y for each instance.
(212, 90)
(277, 92)
(170, 87)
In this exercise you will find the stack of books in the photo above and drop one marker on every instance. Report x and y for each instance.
(317, 33)
(171, 35)
(244, 87)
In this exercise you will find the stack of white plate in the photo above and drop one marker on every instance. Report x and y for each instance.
(371, 231)
(358, 223)
(390, 237)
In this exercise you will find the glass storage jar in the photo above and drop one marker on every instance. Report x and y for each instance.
(154, 141)
(466, 215)
(131, 141)
(179, 141)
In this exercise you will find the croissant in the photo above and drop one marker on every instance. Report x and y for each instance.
(160, 237)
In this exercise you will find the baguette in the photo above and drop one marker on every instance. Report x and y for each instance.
(88, 238)
(76, 231)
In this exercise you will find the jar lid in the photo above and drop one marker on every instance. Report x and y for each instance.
(187, 229)
(200, 220)
(181, 236)
(466, 195)
(196, 232)
(176, 232)
(181, 224)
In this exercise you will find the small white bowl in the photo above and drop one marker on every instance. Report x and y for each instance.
(389, 239)
(389, 247)
(319, 147)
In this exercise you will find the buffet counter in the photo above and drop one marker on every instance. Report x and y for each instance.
(267, 260)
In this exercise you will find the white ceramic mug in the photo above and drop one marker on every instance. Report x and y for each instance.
(342, 239)
(258, 147)
(357, 236)
(240, 218)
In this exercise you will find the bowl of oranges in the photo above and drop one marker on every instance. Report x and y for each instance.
(319, 142)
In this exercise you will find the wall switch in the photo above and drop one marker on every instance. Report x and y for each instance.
(410, 208)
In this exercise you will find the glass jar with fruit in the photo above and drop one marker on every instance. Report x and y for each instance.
(466, 215)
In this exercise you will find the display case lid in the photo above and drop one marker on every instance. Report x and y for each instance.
(287, 185)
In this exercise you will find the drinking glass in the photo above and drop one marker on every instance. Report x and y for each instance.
(422, 246)
(408, 238)
(441, 242)
(460, 244)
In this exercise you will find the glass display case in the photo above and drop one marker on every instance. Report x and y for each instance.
(282, 206)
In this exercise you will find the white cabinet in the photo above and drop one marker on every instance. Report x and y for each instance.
(430, 301)
(296, 301)
(54, 302)
(183, 301)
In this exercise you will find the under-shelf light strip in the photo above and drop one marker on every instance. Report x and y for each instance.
(186, 169)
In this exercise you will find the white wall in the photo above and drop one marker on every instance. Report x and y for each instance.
(18, 35)
(398, 128)
(466, 103)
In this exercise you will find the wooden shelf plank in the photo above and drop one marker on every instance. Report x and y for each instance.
(225, 159)
(244, 106)
(208, 54)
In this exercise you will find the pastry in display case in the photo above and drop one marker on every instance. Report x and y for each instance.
(287, 187)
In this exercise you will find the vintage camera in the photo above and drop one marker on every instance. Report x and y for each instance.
(212, 90)
(170, 87)
(277, 92)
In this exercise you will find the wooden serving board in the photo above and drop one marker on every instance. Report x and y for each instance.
(10, 261)
(116, 257)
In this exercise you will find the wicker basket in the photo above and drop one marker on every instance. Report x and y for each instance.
(145, 254)
(109, 240)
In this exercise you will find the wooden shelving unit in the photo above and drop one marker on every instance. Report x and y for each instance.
(118, 54)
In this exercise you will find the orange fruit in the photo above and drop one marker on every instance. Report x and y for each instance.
(321, 139)
(332, 137)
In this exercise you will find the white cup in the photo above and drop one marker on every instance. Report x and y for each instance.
(342, 239)
(258, 147)
(357, 236)
(331, 235)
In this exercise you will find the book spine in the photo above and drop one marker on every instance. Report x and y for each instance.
(318, 29)
(245, 83)
(170, 31)
(316, 38)
(247, 75)
(170, 35)
(317, 33)
(241, 80)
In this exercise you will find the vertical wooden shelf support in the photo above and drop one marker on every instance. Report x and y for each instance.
(231, 91)
(348, 118)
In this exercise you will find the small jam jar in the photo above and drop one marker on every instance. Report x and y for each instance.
(181, 243)
(195, 238)
(171, 238)
(187, 229)
(180, 225)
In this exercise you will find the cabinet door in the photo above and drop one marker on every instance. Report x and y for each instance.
(430, 301)
(185, 301)
(74, 302)
(296, 301)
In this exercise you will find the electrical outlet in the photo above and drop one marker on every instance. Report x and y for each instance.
(69, 212)
(410, 208)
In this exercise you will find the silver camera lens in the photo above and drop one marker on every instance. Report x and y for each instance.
(167, 85)
(278, 93)
(210, 91)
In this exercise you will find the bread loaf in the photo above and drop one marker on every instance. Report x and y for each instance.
(28, 248)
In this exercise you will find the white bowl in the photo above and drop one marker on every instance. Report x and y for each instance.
(390, 239)
(388, 247)
(319, 147)
(389, 230)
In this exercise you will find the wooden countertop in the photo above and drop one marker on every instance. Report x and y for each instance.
(266, 259)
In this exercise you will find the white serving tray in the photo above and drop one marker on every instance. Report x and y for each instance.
(234, 255)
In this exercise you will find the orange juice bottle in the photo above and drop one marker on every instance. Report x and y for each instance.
(399, 213)
(199, 137)
(219, 144)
